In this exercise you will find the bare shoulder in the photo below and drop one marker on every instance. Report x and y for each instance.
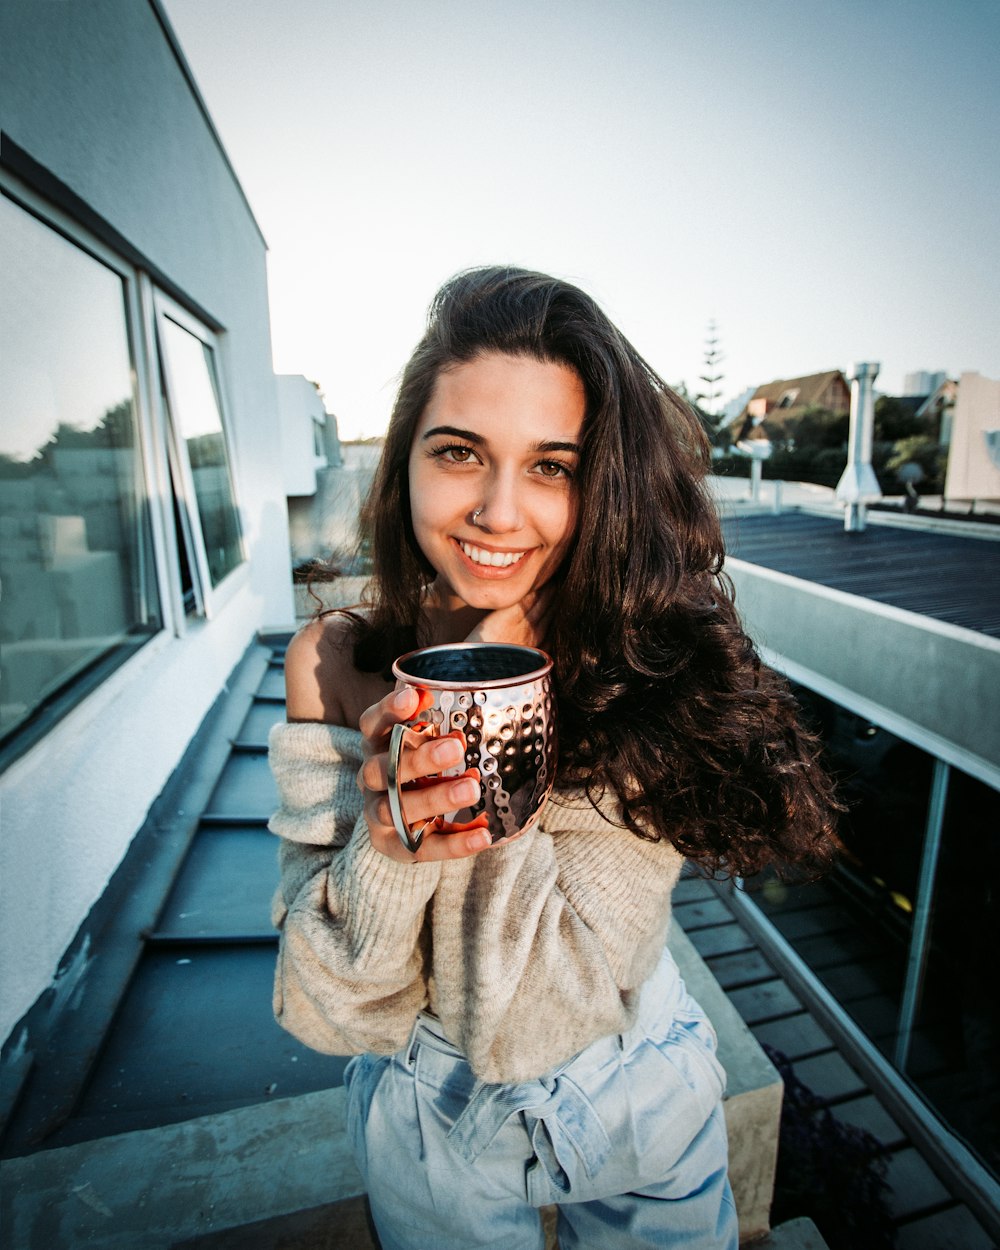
(321, 682)
(318, 670)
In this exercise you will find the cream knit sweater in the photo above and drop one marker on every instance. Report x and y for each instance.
(526, 952)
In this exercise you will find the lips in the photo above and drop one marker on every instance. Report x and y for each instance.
(485, 562)
(491, 559)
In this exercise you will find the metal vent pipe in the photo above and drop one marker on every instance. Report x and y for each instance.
(858, 485)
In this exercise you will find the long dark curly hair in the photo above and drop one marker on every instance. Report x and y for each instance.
(663, 700)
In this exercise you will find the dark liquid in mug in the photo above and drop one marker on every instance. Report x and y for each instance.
(473, 665)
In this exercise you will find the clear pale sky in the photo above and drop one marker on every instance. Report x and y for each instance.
(820, 176)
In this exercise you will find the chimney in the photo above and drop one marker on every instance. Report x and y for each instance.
(858, 485)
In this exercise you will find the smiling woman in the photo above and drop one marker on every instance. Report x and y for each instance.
(539, 485)
(491, 478)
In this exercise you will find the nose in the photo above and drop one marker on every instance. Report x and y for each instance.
(500, 510)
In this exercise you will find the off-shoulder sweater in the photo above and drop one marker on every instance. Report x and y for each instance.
(526, 952)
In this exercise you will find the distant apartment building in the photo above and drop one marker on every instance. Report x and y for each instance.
(142, 503)
(923, 382)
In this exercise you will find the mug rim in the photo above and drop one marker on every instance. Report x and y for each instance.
(493, 683)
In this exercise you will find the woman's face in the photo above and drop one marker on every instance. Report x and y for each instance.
(491, 472)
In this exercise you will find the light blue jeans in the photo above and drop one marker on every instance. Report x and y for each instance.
(627, 1138)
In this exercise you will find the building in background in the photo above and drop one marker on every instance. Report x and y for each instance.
(144, 526)
(974, 455)
(310, 441)
(923, 382)
(785, 399)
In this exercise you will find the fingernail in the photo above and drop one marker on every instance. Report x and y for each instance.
(402, 700)
(447, 751)
(465, 791)
(479, 841)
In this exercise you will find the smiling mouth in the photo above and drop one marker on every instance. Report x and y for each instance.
(490, 559)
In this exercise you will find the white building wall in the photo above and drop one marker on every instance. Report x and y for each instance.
(301, 410)
(972, 470)
(100, 118)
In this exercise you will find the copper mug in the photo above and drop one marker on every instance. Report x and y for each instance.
(500, 697)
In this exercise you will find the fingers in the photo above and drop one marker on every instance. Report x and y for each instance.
(524, 623)
(402, 704)
(422, 757)
(425, 795)
(424, 801)
(435, 848)
(427, 801)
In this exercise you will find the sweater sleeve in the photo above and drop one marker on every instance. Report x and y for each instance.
(572, 919)
(351, 972)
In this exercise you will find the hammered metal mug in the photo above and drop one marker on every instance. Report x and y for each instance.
(500, 697)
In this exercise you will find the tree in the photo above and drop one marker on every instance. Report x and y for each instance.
(708, 423)
(894, 420)
(712, 377)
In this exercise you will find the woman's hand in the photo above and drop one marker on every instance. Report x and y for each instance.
(429, 796)
(524, 623)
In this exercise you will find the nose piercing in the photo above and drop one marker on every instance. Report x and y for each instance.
(475, 515)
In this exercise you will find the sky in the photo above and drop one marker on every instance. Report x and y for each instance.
(819, 177)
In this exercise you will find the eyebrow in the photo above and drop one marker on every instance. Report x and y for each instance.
(478, 440)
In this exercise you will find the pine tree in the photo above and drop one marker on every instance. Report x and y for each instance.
(712, 377)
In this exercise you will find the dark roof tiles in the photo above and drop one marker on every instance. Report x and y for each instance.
(949, 578)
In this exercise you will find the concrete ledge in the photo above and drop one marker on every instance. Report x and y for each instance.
(800, 1234)
(753, 1093)
(269, 1166)
(161, 1186)
(932, 680)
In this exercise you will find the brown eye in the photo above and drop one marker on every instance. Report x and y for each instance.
(453, 453)
(554, 468)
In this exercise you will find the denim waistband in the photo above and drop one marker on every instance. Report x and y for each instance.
(661, 997)
(557, 1109)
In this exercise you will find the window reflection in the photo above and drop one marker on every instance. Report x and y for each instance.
(75, 556)
(194, 406)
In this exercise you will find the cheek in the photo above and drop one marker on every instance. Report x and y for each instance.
(563, 522)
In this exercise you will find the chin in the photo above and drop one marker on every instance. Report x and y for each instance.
(492, 600)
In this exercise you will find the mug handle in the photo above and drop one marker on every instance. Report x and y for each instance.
(410, 838)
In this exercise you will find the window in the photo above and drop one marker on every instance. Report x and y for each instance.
(79, 590)
(210, 539)
(88, 572)
(788, 398)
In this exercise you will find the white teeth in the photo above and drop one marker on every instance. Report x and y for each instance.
(496, 559)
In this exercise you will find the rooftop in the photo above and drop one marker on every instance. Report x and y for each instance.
(917, 568)
(186, 1038)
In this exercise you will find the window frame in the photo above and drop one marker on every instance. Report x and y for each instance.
(209, 599)
(155, 446)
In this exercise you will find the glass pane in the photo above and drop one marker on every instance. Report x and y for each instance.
(75, 554)
(196, 412)
(853, 927)
(956, 1040)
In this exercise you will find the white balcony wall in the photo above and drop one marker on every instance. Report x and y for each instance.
(102, 122)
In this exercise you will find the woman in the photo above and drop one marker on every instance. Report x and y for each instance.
(524, 1039)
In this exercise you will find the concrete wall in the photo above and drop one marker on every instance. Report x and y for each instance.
(104, 121)
(931, 682)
